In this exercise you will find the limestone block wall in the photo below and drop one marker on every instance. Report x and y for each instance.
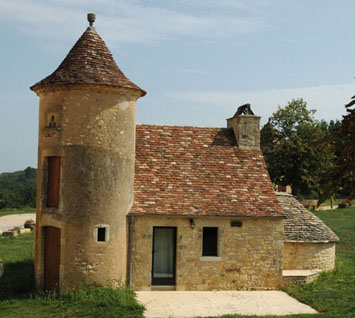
(309, 256)
(246, 130)
(249, 257)
(95, 138)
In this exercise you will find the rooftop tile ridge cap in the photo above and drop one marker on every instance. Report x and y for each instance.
(183, 126)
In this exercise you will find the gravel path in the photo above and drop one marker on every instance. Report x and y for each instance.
(188, 304)
(8, 222)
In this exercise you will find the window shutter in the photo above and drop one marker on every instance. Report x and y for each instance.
(53, 182)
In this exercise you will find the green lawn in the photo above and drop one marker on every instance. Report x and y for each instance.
(18, 297)
(333, 294)
(4, 212)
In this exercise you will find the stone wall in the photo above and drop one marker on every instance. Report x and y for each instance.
(249, 257)
(309, 256)
(246, 130)
(95, 137)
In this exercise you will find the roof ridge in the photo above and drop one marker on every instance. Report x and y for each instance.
(178, 126)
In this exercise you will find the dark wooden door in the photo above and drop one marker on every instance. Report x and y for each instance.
(53, 183)
(51, 258)
(164, 256)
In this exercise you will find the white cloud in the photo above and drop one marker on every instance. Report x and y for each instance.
(328, 100)
(123, 21)
(236, 4)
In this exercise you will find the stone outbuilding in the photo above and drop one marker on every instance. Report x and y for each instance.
(186, 208)
(309, 245)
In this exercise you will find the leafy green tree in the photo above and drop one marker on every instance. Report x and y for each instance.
(294, 149)
(341, 177)
(18, 189)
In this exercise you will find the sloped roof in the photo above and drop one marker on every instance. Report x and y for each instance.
(88, 62)
(191, 171)
(302, 225)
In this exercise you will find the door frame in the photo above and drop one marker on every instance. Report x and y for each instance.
(166, 281)
(47, 273)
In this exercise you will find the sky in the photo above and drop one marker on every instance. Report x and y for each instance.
(198, 60)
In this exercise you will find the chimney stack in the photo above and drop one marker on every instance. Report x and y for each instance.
(246, 127)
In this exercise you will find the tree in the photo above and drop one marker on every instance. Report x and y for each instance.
(341, 177)
(18, 189)
(294, 149)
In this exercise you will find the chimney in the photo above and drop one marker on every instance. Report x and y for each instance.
(246, 127)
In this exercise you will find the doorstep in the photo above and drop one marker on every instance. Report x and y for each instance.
(163, 287)
(300, 276)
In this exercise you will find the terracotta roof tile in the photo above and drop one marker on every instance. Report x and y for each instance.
(192, 171)
(302, 225)
(88, 62)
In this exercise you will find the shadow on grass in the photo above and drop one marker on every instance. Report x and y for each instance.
(17, 281)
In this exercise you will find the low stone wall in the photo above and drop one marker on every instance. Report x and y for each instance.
(309, 256)
(249, 257)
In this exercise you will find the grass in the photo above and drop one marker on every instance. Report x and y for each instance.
(19, 299)
(334, 291)
(87, 301)
(4, 212)
(333, 294)
(17, 256)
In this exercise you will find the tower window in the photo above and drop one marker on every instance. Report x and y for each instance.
(102, 233)
(53, 181)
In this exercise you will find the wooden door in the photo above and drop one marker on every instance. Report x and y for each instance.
(164, 256)
(51, 258)
(53, 182)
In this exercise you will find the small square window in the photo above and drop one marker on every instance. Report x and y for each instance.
(210, 240)
(102, 233)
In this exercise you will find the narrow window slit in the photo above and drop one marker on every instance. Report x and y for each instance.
(101, 234)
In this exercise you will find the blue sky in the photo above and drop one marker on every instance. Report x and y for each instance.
(197, 59)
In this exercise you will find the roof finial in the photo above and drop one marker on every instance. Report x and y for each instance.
(91, 18)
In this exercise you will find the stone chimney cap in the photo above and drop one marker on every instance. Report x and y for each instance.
(91, 18)
(244, 110)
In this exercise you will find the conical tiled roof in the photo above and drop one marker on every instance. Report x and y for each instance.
(302, 225)
(88, 62)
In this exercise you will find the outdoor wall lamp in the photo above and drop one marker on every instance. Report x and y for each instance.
(192, 223)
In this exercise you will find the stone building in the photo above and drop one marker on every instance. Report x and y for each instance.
(184, 207)
(309, 244)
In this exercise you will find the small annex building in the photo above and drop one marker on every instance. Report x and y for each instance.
(192, 208)
(309, 243)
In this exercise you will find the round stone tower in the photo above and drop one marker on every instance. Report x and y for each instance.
(86, 150)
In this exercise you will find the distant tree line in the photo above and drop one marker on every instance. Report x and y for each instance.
(315, 157)
(18, 189)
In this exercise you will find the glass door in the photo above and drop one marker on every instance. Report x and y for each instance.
(164, 255)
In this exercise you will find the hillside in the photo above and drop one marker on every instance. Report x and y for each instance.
(18, 189)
